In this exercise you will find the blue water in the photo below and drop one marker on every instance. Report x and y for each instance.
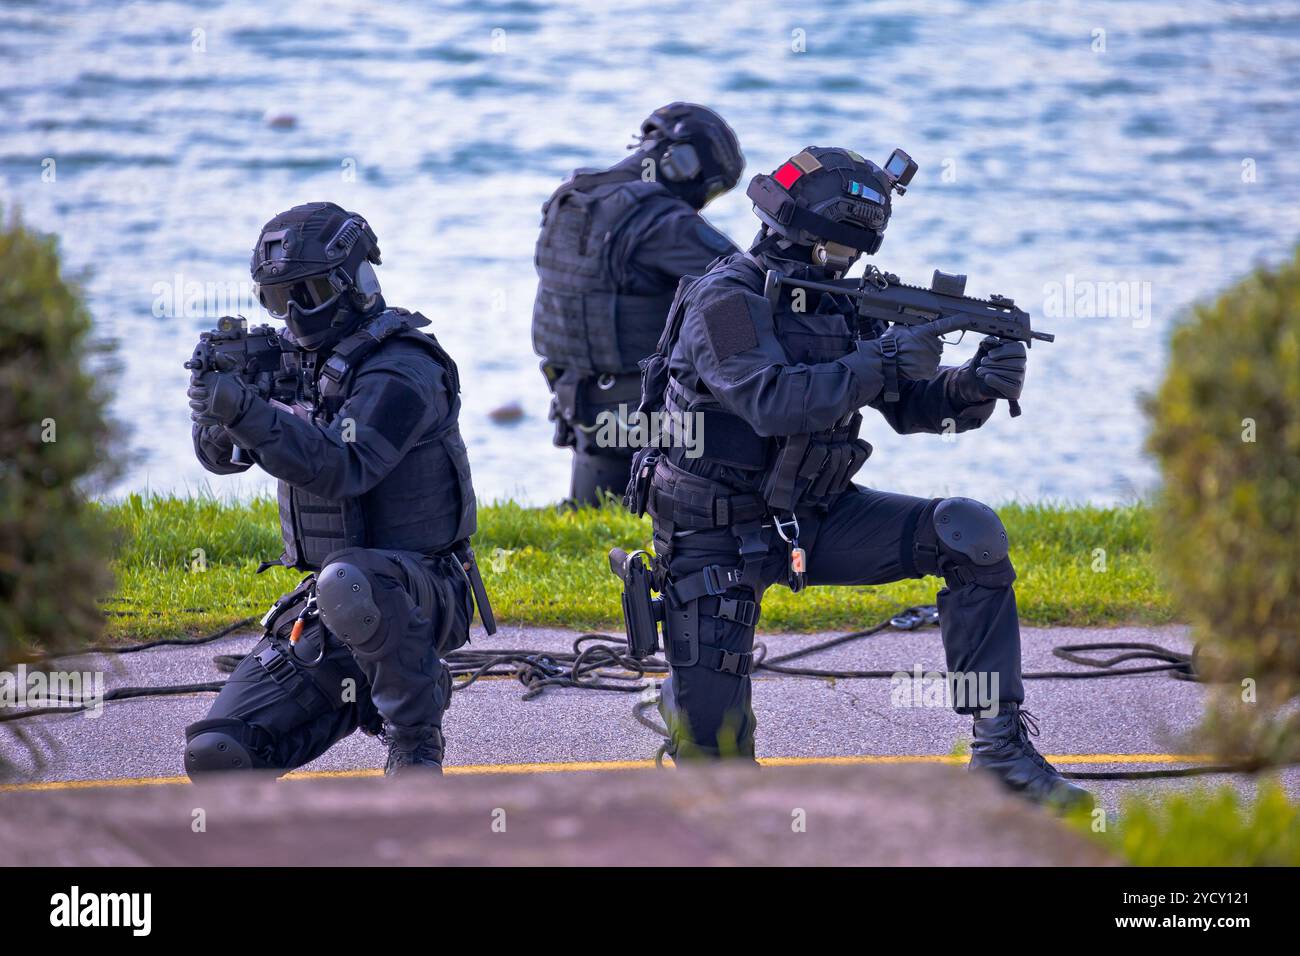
(1106, 181)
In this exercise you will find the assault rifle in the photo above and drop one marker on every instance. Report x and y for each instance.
(942, 308)
(252, 354)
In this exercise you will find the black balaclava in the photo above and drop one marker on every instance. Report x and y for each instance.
(313, 269)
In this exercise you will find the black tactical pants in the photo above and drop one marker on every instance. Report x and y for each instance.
(288, 705)
(865, 538)
(602, 457)
(597, 471)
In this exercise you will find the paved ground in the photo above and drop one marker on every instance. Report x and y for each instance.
(1088, 725)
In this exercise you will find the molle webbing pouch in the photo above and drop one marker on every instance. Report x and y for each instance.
(831, 461)
(812, 468)
(600, 332)
(780, 488)
(688, 502)
(319, 526)
(636, 498)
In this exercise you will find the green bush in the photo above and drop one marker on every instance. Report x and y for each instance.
(1207, 828)
(1226, 429)
(53, 429)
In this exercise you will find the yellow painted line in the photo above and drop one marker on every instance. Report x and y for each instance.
(963, 758)
(603, 765)
(91, 784)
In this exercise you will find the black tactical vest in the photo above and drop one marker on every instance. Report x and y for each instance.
(580, 320)
(789, 471)
(425, 504)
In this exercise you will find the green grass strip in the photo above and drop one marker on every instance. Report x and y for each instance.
(185, 564)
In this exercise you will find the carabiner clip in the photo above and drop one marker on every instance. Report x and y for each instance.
(781, 526)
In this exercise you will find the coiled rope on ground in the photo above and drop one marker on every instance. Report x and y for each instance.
(601, 662)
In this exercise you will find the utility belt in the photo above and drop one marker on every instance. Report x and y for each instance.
(691, 503)
(577, 398)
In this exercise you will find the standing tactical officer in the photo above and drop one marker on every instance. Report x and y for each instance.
(612, 248)
(779, 384)
(374, 497)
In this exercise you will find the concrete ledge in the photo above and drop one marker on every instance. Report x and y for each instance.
(873, 815)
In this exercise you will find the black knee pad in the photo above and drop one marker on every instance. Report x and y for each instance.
(212, 746)
(965, 541)
(345, 597)
(971, 530)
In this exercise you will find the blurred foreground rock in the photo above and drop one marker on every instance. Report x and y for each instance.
(859, 815)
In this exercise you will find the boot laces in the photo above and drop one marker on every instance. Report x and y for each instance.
(1026, 727)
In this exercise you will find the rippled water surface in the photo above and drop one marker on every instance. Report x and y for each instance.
(1104, 164)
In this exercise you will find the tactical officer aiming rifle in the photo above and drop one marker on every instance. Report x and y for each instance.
(942, 308)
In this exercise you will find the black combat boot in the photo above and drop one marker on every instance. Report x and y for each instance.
(413, 749)
(1002, 747)
(418, 748)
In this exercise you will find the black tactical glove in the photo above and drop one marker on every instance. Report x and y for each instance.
(218, 397)
(918, 352)
(997, 370)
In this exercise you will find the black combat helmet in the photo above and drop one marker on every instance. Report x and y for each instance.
(831, 200)
(312, 267)
(697, 152)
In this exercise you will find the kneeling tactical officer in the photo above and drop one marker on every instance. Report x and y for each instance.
(613, 245)
(778, 385)
(374, 497)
